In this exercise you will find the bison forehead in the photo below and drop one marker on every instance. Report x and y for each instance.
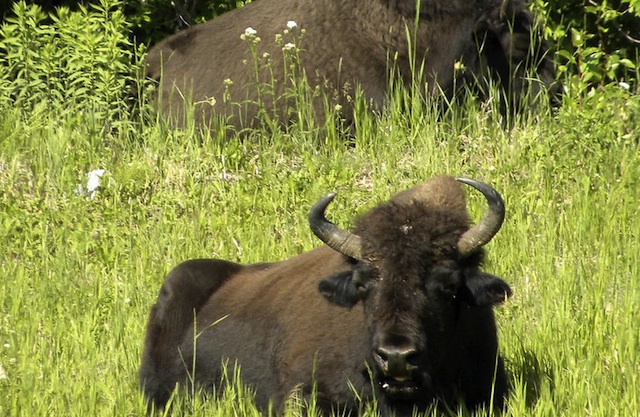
(411, 234)
(440, 191)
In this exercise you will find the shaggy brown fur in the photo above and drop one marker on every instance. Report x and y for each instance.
(345, 44)
(413, 295)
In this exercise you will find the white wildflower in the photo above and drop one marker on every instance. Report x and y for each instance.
(624, 85)
(3, 374)
(93, 182)
(250, 35)
(94, 179)
(291, 24)
(289, 46)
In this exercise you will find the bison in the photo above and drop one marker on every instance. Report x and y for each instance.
(346, 45)
(397, 310)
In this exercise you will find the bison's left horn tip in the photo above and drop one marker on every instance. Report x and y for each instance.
(340, 240)
(318, 209)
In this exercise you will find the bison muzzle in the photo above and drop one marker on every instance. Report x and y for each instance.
(397, 310)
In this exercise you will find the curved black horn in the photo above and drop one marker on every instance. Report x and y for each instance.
(346, 243)
(480, 234)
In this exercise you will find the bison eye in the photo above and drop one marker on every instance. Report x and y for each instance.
(448, 291)
(361, 281)
(445, 282)
(362, 290)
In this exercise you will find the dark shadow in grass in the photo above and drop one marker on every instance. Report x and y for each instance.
(535, 375)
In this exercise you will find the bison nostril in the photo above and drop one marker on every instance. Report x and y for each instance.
(381, 358)
(413, 358)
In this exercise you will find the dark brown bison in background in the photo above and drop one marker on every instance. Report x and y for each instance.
(346, 44)
(398, 310)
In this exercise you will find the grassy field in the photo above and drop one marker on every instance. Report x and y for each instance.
(81, 269)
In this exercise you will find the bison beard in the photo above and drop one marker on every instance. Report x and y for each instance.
(349, 44)
(397, 310)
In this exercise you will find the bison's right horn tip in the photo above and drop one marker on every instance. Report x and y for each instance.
(490, 224)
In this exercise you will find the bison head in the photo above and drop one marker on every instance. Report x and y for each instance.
(416, 270)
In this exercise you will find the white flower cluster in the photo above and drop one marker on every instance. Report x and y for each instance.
(250, 34)
(290, 46)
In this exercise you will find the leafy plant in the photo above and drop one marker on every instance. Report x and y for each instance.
(597, 42)
(151, 20)
(81, 60)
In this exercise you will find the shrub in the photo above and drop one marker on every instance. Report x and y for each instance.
(151, 20)
(597, 42)
(81, 60)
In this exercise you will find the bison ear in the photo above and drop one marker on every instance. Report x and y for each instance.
(483, 290)
(340, 289)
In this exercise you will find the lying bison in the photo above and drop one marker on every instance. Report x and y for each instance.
(397, 310)
(345, 45)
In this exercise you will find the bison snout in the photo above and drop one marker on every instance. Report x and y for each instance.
(398, 362)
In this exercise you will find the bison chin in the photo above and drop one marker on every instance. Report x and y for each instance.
(399, 397)
(397, 388)
(400, 390)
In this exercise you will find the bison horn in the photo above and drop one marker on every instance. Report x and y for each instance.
(346, 243)
(481, 233)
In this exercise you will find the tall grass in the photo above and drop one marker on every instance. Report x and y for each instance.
(80, 272)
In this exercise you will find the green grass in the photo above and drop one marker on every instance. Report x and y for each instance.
(80, 274)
